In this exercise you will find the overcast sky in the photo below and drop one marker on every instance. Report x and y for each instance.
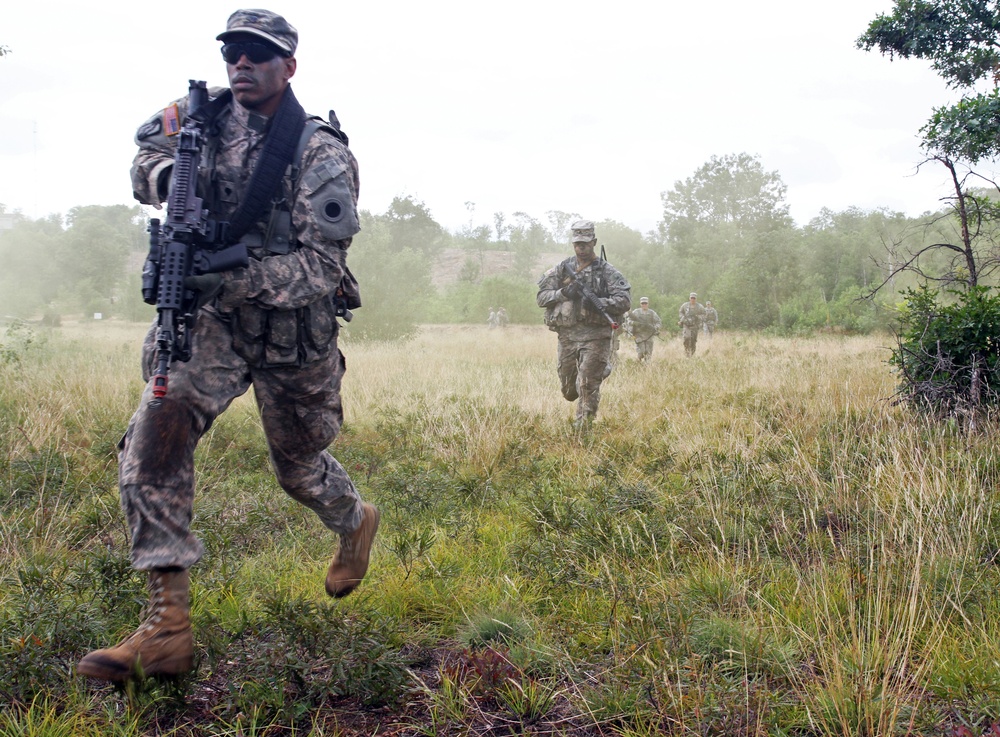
(524, 105)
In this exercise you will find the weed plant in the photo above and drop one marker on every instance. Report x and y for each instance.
(753, 541)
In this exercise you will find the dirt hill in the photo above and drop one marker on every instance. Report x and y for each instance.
(450, 262)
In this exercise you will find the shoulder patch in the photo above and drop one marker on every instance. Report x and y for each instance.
(171, 120)
(149, 129)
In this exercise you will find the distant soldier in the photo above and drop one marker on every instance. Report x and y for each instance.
(691, 316)
(503, 320)
(584, 328)
(711, 318)
(492, 319)
(645, 325)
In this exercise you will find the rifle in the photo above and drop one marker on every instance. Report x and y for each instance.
(594, 300)
(187, 245)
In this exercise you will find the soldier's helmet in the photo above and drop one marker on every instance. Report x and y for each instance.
(693, 295)
(644, 300)
(583, 232)
(708, 303)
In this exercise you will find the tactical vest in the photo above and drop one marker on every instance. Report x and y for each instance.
(277, 237)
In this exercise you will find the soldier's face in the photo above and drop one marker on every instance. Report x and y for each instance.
(259, 87)
(585, 251)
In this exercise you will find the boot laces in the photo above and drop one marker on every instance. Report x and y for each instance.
(152, 613)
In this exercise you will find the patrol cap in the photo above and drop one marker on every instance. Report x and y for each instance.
(643, 300)
(263, 24)
(693, 295)
(583, 231)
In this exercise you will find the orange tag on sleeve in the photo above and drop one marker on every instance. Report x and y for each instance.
(171, 120)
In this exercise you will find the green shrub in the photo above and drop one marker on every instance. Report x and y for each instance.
(947, 353)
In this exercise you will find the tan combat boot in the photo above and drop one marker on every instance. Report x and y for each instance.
(351, 561)
(163, 643)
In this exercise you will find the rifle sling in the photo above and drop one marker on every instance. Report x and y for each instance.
(278, 153)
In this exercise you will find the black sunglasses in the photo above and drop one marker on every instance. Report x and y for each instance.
(255, 51)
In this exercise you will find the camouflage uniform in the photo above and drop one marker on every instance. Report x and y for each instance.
(584, 334)
(711, 319)
(645, 326)
(690, 319)
(272, 327)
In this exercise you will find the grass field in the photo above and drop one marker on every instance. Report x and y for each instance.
(753, 542)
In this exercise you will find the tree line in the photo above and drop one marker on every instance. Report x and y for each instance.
(725, 232)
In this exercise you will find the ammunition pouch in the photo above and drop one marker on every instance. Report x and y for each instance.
(560, 315)
(267, 338)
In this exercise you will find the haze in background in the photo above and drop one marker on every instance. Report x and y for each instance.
(525, 106)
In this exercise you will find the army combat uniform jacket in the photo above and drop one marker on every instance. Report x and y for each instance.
(644, 324)
(281, 303)
(690, 317)
(576, 318)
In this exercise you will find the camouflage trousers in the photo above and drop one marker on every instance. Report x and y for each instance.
(301, 414)
(583, 364)
(690, 341)
(644, 349)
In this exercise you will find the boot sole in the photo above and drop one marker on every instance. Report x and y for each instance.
(106, 669)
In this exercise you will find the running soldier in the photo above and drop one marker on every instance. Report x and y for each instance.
(711, 318)
(645, 325)
(585, 329)
(691, 315)
(271, 325)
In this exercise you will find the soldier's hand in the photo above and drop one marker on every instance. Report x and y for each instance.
(207, 285)
(571, 291)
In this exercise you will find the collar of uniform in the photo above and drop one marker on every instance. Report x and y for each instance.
(253, 121)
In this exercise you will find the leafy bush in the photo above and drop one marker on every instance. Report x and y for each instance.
(946, 354)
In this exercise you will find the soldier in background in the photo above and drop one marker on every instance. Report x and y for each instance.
(645, 325)
(585, 332)
(691, 315)
(711, 318)
(503, 319)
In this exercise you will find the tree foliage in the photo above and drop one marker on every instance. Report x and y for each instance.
(409, 224)
(393, 275)
(77, 268)
(732, 190)
(960, 39)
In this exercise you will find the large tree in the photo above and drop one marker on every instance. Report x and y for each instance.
(729, 214)
(410, 225)
(394, 277)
